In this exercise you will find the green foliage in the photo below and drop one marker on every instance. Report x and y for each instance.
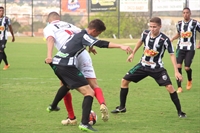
(38, 25)
(128, 24)
(71, 19)
(15, 25)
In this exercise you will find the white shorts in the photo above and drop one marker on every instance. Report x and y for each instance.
(84, 64)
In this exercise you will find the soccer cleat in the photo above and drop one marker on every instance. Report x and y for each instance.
(6, 67)
(69, 121)
(182, 115)
(50, 109)
(118, 110)
(104, 112)
(87, 128)
(189, 85)
(179, 90)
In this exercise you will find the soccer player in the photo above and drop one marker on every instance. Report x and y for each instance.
(57, 32)
(64, 66)
(186, 35)
(155, 44)
(5, 23)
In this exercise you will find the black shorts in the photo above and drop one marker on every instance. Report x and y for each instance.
(2, 44)
(140, 72)
(185, 55)
(70, 76)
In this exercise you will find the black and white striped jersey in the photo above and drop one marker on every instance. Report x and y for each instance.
(154, 49)
(187, 31)
(4, 22)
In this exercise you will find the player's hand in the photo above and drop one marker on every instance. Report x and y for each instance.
(92, 50)
(48, 60)
(130, 58)
(128, 49)
(179, 76)
(198, 46)
(13, 39)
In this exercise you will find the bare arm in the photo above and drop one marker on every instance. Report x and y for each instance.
(177, 74)
(11, 31)
(50, 46)
(137, 46)
(198, 45)
(123, 47)
(175, 37)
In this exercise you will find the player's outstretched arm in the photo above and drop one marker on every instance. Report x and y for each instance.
(50, 46)
(198, 45)
(11, 31)
(177, 74)
(128, 49)
(175, 37)
(137, 46)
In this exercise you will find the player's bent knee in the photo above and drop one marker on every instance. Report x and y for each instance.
(124, 83)
(170, 88)
(187, 68)
(86, 90)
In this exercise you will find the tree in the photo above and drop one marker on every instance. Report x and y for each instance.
(129, 24)
(15, 25)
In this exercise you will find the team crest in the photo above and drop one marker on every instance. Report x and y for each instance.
(164, 77)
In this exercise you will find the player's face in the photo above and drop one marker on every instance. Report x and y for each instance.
(186, 14)
(1, 12)
(154, 28)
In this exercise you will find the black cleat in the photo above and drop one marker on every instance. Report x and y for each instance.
(118, 110)
(50, 109)
(87, 128)
(181, 115)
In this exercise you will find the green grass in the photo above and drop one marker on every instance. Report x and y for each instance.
(29, 86)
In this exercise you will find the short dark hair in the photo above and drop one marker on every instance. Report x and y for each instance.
(156, 20)
(53, 15)
(187, 8)
(97, 24)
(1, 7)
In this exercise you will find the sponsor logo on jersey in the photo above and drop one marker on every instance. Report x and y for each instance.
(2, 28)
(56, 60)
(186, 34)
(150, 52)
(63, 55)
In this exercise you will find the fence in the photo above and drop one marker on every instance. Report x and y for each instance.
(123, 18)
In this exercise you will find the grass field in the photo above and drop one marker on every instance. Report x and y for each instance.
(29, 86)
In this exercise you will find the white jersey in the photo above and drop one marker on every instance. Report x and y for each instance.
(61, 31)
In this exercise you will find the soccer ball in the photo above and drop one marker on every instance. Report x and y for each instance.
(92, 118)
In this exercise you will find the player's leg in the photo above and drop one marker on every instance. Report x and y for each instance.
(162, 78)
(5, 57)
(1, 56)
(135, 75)
(84, 64)
(1, 50)
(188, 61)
(71, 118)
(88, 94)
(180, 56)
(62, 91)
(100, 97)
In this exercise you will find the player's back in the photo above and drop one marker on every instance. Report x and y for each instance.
(61, 31)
